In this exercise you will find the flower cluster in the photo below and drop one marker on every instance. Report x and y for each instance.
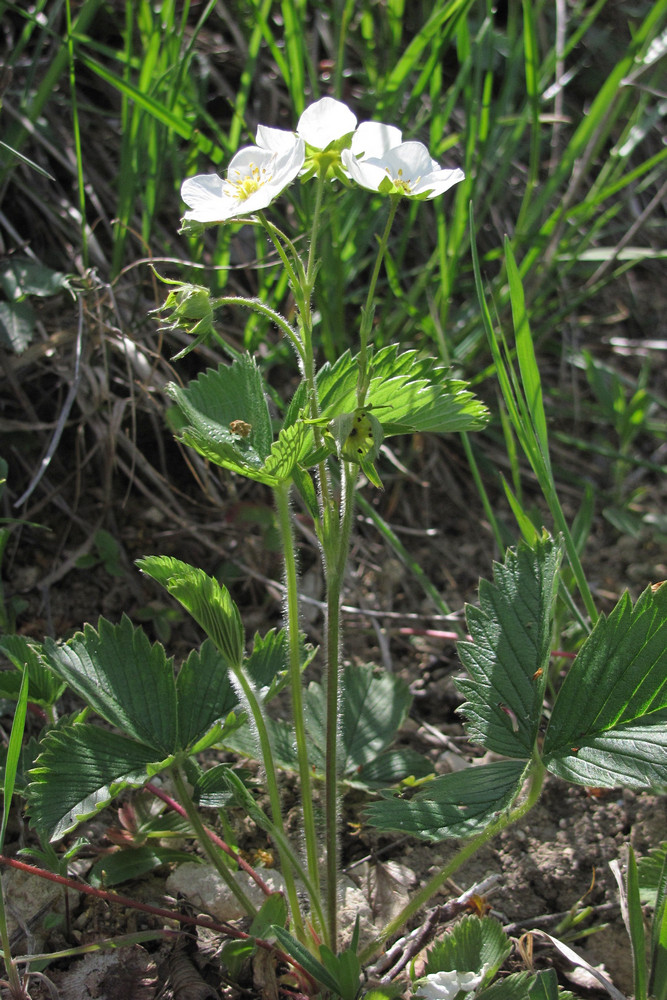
(327, 142)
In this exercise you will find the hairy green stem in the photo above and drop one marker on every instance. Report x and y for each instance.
(260, 307)
(207, 845)
(336, 554)
(422, 897)
(367, 311)
(292, 622)
(287, 860)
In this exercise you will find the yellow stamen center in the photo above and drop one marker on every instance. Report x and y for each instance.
(401, 183)
(245, 184)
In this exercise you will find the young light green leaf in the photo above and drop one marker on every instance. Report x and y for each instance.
(290, 448)
(453, 805)
(123, 678)
(208, 601)
(509, 653)
(409, 392)
(346, 970)
(608, 725)
(79, 770)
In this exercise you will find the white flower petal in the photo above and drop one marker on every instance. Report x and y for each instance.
(374, 139)
(276, 139)
(325, 121)
(412, 159)
(205, 196)
(437, 183)
(367, 173)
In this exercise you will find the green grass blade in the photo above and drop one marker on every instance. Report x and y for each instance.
(14, 754)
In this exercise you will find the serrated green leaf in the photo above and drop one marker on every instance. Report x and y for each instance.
(472, 944)
(452, 805)
(652, 875)
(217, 398)
(273, 911)
(212, 790)
(244, 741)
(516, 986)
(79, 770)
(204, 693)
(608, 724)
(409, 392)
(509, 654)
(545, 987)
(113, 869)
(208, 601)
(45, 686)
(124, 678)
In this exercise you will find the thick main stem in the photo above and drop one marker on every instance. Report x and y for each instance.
(292, 622)
(336, 560)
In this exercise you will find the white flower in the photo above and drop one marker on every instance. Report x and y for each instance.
(447, 985)
(405, 169)
(254, 178)
(322, 123)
